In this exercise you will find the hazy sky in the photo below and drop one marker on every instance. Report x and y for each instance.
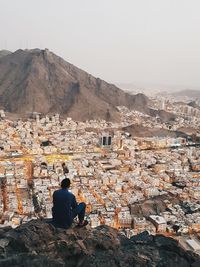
(131, 41)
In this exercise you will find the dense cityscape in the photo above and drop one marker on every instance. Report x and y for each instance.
(131, 183)
(100, 133)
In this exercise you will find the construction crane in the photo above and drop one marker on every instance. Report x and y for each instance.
(29, 170)
(19, 200)
(4, 194)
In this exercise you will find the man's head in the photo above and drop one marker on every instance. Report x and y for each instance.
(65, 183)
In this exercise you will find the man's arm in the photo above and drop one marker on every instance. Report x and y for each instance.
(74, 203)
(54, 198)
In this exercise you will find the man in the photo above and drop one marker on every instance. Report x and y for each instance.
(65, 207)
(36, 204)
(65, 169)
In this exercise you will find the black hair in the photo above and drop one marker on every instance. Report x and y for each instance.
(65, 183)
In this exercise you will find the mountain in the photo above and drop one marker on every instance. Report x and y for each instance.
(40, 244)
(4, 53)
(39, 81)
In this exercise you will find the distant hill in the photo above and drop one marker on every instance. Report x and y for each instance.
(188, 93)
(137, 130)
(4, 53)
(40, 81)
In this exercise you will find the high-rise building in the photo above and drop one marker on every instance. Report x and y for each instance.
(106, 140)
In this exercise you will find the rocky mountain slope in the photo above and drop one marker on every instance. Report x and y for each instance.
(40, 244)
(38, 80)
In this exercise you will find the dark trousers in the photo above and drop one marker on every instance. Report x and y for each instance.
(79, 211)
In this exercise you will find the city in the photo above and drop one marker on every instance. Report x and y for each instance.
(128, 182)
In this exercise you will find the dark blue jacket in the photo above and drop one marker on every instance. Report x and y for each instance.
(64, 202)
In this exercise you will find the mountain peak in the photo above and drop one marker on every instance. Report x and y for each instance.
(39, 81)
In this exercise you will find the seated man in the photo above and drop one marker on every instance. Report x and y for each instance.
(65, 207)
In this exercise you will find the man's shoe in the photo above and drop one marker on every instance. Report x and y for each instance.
(83, 223)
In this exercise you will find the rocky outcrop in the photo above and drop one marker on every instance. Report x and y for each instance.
(40, 244)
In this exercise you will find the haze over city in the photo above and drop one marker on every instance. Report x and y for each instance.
(139, 42)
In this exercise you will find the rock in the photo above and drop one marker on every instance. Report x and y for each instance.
(143, 238)
(38, 243)
(5, 229)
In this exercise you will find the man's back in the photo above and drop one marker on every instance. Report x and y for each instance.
(63, 204)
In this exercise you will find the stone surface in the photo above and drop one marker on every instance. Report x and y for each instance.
(38, 243)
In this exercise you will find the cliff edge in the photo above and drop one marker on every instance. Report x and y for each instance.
(38, 243)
